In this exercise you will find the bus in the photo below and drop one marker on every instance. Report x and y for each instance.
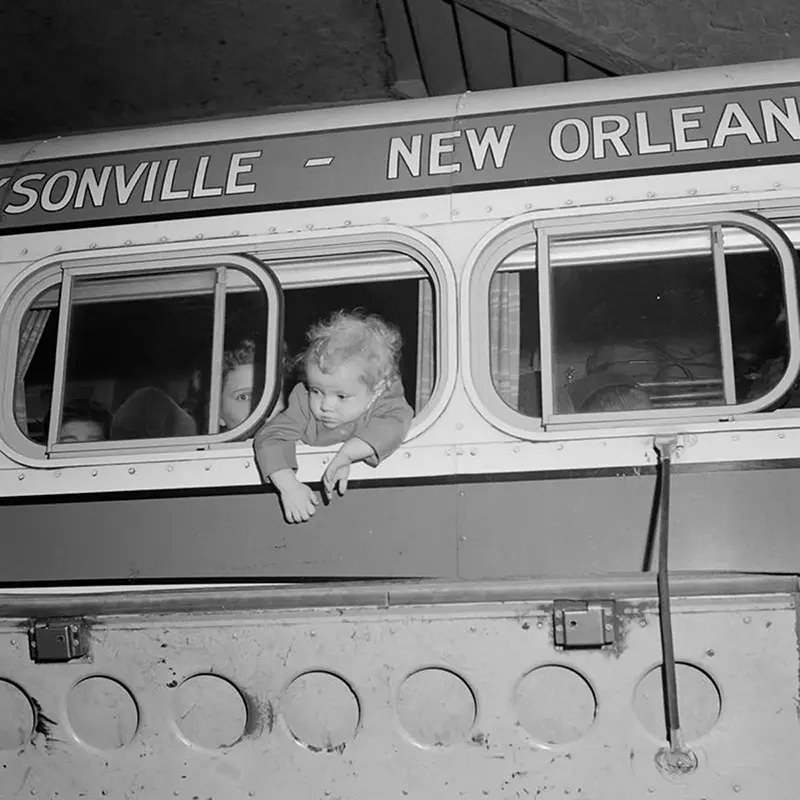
(578, 575)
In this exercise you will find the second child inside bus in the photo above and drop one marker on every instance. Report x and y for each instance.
(351, 393)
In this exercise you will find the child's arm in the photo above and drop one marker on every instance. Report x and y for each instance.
(338, 471)
(276, 457)
(378, 437)
(298, 500)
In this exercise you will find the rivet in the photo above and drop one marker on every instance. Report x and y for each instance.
(384, 219)
(207, 467)
(540, 624)
(247, 465)
(447, 451)
(781, 435)
(516, 448)
(568, 203)
(128, 242)
(528, 206)
(131, 470)
(651, 194)
(162, 239)
(472, 629)
(423, 215)
(198, 236)
(325, 459)
(735, 437)
(58, 473)
(459, 451)
(21, 476)
(610, 198)
(235, 233)
(642, 623)
(777, 185)
(310, 226)
(94, 473)
(608, 626)
(407, 454)
(736, 787)
(347, 223)
(473, 451)
(710, 652)
(459, 425)
(747, 620)
(24, 251)
(692, 191)
(456, 212)
(92, 245)
(273, 229)
(560, 447)
(59, 248)
(488, 209)
(170, 468)
(312, 633)
(734, 188)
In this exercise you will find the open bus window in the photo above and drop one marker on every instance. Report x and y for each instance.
(405, 303)
(142, 355)
(674, 320)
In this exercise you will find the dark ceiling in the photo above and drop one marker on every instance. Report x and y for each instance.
(90, 64)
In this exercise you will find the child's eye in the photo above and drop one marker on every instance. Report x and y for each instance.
(243, 397)
(315, 392)
(342, 396)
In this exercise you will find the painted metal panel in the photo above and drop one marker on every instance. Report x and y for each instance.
(377, 531)
(532, 525)
(412, 699)
(727, 520)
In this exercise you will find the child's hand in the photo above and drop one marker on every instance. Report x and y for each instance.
(299, 502)
(336, 475)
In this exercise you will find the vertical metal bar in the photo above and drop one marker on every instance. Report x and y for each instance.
(545, 319)
(723, 315)
(217, 349)
(60, 368)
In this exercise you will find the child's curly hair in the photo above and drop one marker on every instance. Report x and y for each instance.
(345, 335)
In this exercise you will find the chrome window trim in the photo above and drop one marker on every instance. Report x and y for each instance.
(538, 230)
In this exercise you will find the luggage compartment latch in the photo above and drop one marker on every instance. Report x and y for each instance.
(584, 623)
(58, 640)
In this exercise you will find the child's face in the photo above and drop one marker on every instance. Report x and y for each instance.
(236, 401)
(81, 430)
(340, 396)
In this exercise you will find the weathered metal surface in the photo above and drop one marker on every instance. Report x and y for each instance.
(409, 700)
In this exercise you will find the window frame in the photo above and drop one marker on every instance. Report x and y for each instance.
(536, 232)
(61, 277)
(313, 252)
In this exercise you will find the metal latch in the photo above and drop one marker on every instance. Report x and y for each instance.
(580, 623)
(58, 640)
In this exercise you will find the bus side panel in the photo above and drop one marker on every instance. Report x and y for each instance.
(737, 520)
(729, 520)
(372, 531)
(420, 701)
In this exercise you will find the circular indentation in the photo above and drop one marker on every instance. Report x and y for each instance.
(699, 701)
(16, 717)
(102, 712)
(555, 704)
(321, 711)
(436, 707)
(210, 711)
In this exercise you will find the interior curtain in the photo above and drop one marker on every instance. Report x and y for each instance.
(426, 351)
(504, 327)
(33, 324)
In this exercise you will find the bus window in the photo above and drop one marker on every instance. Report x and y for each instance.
(146, 350)
(393, 286)
(669, 322)
(514, 332)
